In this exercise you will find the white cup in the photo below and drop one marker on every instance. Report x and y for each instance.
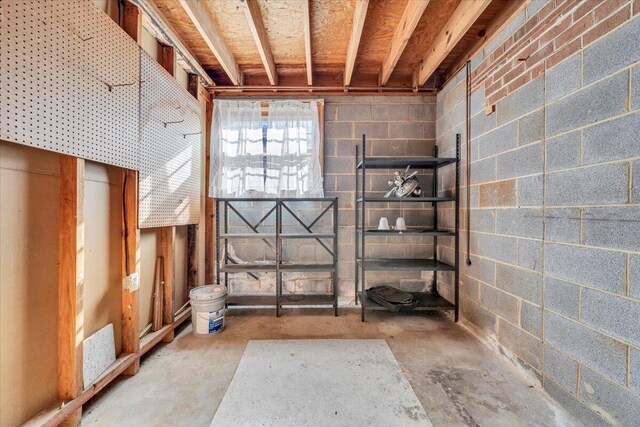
(383, 224)
(400, 224)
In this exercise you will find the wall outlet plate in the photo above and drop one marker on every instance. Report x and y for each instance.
(131, 282)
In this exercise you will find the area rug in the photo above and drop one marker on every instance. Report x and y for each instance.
(319, 383)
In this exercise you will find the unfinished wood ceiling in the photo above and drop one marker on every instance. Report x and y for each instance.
(396, 43)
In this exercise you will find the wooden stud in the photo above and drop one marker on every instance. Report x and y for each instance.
(256, 25)
(130, 266)
(167, 251)
(201, 18)
(71, 281)
(132, 21)
(168, 59)
(462, 19)
(192, 229)
(408, 22)
(306, 24)
(354, 41)
(209, 205)
(158, 295)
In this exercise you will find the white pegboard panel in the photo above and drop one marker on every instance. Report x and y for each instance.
(170, 142)
(69, 81)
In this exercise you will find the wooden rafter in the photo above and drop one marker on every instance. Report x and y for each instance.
(201, 18)
(410, 18)
(165, 32)
(356, 32)
(306, 23)
(256, 24)
(462, 19)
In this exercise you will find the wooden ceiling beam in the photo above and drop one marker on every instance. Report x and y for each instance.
(201, 18)
(164, 32)
(306, 22)
(408, 23)
(256, 24)
(462, 19)
(356, 32)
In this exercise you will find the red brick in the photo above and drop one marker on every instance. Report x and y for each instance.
(606, 26)
(519, 82)
(545, 10)
(492, 88)
(564, 53)
(515, 72)
(502, 193)
(541, 54)
(636, 7)
(575, 30)
(501, 70)
(537, 71)
(586, 8)
(555, 30)
(607, 8)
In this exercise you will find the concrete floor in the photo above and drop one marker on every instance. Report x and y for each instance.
(458, 380)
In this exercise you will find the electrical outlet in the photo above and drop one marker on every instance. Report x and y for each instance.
(131, 282)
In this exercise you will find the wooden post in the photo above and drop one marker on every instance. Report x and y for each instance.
(209, 206)
(168, 59)
(132, 21)
(70, 282)
(192, 229)
(130, 267)
(167, 248)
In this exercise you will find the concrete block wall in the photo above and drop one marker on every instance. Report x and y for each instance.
(395, 126)
(554, 200)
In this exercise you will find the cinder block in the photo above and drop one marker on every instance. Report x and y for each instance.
(561, 368)
(531, 128)
(330, 112)
(524, 283)
(502, 193)
(634, 369)
(480, 123)
(561, 297)
(562, 225)
(530, 254)
(421, 112)
(587, 346)
(500, 303)
(599, 268)
(534, 7)
(354, 112)
(390, 112)
(593, 185)
(612, 227)
(479, 316)
(578, 409)
(611, 401)
(635, 88)
(634, 273)
(347, 148)
(406, 130)
(477, 101)
(498, 140)
(520, 222)
(564, 78)
(612, 315)
(420, 147)
(481, 269)
(531, 319)
(612, 140)
(386, 147)
(636, 181)
(500, 248)
(338, 130)
(505, 33)
(527, 347)
(527, 160)
(372, 129)
(526, 99)
(591, 104)
(339, 165)
(563, 152)
(617, 50)
(483, 220)
(483, 170)
(530, 190)
(470, 288)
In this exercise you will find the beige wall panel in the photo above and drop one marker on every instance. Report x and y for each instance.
(180, 285)
(149, 250)
(103, 259)
(182, 77)
(150, 44)
(28, 281)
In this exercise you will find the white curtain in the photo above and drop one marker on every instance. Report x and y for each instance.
(237, 163)
(293, 150)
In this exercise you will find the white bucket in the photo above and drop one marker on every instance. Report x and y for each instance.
(207, 310)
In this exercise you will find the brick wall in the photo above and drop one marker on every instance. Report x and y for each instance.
(395, 126)
(555, 200)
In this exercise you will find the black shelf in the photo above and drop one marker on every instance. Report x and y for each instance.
(403, 162)
(404, 264)
(430, 262)
(426, 301)
(274, 235)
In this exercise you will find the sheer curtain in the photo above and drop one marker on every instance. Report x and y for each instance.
(293, 150)
(237, 162)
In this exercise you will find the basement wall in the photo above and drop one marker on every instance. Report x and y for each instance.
(395, 126)
(555, 200)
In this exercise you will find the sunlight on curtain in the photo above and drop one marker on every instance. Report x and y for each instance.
(293, 150)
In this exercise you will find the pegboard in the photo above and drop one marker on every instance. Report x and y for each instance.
(170, 147)
(69, 81)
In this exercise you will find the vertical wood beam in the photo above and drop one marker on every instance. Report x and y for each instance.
(306, 23)
(168, 59)
(132, 25)
(209, 205)
(354, 41)
(70, 281)
(192, 229)
(167, 252)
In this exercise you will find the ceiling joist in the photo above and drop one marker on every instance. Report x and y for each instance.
(410, 18)
(354, 41)
(256, 24)
(306, 22)
(201, 18)
(462, 19)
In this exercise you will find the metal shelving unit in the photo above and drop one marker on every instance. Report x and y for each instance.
(426, 300)
(274, 239)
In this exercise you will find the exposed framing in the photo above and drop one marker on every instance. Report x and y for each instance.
(359, 17)
(256, 24)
